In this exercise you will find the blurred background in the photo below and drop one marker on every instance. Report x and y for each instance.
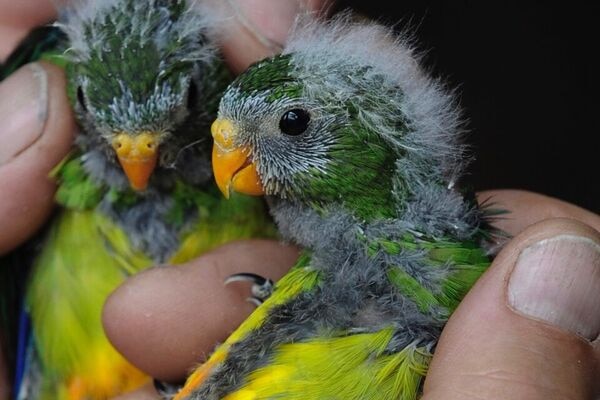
(527, 74)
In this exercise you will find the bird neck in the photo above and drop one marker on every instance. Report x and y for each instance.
(332, 234)
(88, 180)
(432, 213)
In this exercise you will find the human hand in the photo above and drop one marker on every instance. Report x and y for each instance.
(490, 349)
(36, 134)
(37, 131)
(529, 328)
(38, 126)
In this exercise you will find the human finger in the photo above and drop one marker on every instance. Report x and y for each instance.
(525, 329)
(36, 134)
(184, 310)
(260, 27)
(18, 17)
(527, 208)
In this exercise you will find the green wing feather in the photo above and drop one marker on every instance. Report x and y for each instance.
(85, 257)
(461, 264)
(356, 366)
(221, 221)
(72, 277)
(76, 189)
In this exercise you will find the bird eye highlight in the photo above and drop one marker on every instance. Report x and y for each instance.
(294, 122)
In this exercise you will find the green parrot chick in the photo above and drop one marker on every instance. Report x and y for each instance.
(144, 80)
(141, 75)
(358, 152)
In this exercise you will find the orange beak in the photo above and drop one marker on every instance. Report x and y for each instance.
(137, 155)
(232, 169)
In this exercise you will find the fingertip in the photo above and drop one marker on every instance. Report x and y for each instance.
(38, 134)
(27, 13)
(490, 349)
(167, 319)
(146, 320)
(526, 208)
(18, 17)
(261, 28)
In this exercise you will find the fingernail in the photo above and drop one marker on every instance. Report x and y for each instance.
(557, 280)
(23, 110)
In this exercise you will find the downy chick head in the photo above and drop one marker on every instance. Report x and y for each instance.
(137, 79)
(345, 118)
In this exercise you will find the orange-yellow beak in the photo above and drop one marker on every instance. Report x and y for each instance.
(137, 155)
(232, 169)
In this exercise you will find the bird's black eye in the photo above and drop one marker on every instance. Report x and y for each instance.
(294, 122)
(192, 95)
(81, 98)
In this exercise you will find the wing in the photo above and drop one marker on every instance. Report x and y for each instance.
(72, 277)
(301, 278)
(361, 366)
(87, 255)
(435, 273)
(340, 368)
(43, 43)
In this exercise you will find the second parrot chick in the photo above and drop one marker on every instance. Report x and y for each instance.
(144, 79)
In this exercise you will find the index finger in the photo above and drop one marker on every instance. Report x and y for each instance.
(261, 27)
(527, 208)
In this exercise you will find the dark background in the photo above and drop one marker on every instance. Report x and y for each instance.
(527, 78)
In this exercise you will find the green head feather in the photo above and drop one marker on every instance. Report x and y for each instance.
(143, 66)
(346, 118)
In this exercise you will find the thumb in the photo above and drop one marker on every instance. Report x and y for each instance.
(36, 132)
(525, 329)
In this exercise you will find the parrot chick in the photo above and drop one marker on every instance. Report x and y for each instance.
(144, 79)
(358, 152)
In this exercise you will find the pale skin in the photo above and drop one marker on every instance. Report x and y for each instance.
(490, 349)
